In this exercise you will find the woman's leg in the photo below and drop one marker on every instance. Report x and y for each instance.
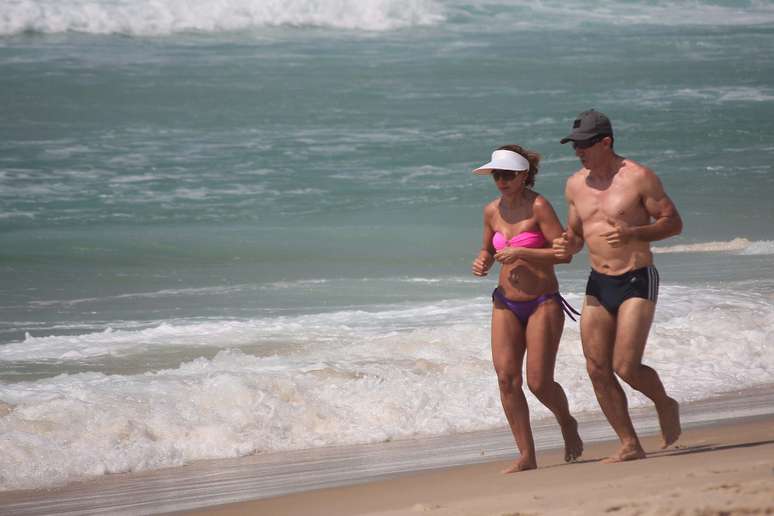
(508, 347)
(544, 330)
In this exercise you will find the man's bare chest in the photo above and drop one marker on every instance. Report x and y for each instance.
(612, 203)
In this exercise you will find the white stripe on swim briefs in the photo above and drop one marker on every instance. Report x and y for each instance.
(652, 283)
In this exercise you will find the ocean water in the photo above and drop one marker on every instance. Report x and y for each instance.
(247, 226)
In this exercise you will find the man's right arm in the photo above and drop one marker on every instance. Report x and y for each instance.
(574, 229)
(571, 241)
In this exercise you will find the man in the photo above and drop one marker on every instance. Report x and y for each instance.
(617, 207)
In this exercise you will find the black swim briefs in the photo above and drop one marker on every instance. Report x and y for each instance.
(611, 291)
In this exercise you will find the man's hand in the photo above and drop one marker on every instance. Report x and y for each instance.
(619, 236)
(561, 247)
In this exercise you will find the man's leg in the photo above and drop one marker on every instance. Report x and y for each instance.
(635, 317)
(598, 331)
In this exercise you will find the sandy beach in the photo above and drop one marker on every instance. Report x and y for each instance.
(717, 469)
(723, 464)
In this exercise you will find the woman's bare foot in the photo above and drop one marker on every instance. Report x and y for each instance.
(627, 452)
(573, 445)
(669, 419)
(521, 465)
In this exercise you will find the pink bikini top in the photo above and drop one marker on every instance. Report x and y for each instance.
(524, 239)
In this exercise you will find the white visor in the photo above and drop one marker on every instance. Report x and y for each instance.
(503, 160)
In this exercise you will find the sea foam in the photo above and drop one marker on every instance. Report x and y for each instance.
(341, 378)
(661, 13)
(737, 245)
(165, 17)
(151, 18)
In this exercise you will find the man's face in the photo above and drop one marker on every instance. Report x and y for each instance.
(589, 151)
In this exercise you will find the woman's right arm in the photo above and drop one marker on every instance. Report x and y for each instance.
(485, 257)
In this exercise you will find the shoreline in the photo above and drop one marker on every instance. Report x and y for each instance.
(282, 477)
(722, 469)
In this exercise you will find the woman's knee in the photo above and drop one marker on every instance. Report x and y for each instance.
(627, 372)
(509, 382)
(539, 384)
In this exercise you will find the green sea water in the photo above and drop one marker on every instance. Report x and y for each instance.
(178, 182)
(285, 145)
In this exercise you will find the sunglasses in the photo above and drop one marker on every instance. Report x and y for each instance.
(505, 175)
(585, 144)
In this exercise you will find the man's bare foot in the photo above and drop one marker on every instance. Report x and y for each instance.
(573, 445)
(669, 419)
(521, 465)
(627, 452)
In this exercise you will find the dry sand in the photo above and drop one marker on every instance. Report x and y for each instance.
(723, 468)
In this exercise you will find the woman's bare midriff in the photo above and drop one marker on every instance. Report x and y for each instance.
(524, 281)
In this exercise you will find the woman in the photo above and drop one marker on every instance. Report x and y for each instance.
(528, 312)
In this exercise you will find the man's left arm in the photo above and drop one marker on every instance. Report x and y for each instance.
(666, 220)
(660, 208)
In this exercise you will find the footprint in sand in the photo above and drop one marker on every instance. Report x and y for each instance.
(422, 507)
(5, 408)
(724, 487)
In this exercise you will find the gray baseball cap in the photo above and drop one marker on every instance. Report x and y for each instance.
(587, 125)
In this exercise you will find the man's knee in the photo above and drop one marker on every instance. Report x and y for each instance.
(509, 382)
(599, 373)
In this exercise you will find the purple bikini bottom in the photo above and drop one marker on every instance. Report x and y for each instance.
(524, 309)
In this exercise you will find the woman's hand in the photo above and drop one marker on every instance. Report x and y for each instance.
(508, 255)
(482, 263)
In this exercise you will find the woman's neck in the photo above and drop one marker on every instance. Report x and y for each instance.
(513, 200)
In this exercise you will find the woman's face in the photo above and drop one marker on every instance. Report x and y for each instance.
(509, 181)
